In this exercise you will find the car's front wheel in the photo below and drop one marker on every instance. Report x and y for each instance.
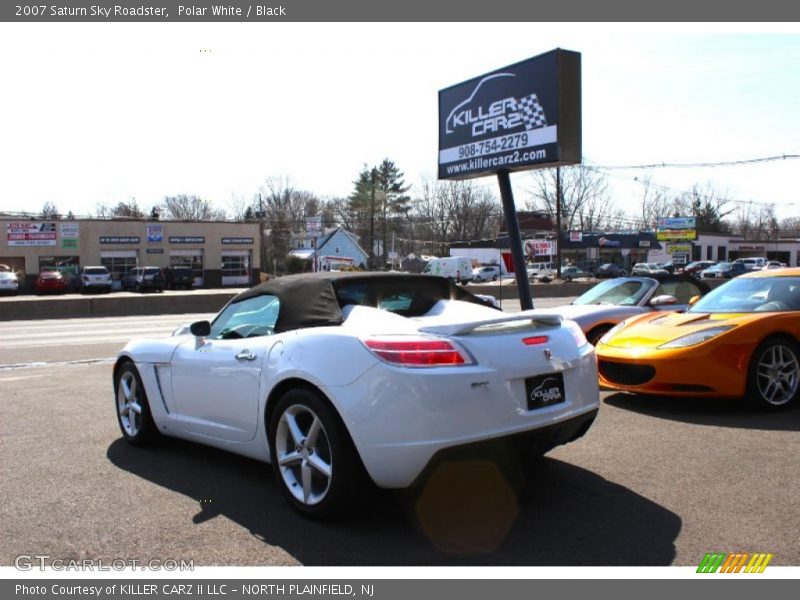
(314, 459)
(774, 376)
(133, 410)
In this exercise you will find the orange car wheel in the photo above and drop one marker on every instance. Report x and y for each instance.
(774, 377)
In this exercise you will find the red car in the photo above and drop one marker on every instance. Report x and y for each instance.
(51, 282)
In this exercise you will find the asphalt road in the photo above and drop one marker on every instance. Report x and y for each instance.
(654, 482)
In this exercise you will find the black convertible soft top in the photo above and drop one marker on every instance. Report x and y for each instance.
(316, 299)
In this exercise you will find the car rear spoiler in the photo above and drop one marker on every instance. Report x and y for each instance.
(535, 319)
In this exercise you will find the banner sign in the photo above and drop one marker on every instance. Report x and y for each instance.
(155, 233)
(520, 117)
(70, 230)
(314, 225)
(120, 239)
(539, 248)
(237, 240)
(575, 236)
(25, 233)
(607, 243)
(187, 239)
(676, 234)
(677, 223)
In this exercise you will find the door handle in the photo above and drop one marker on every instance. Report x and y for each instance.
(245, 355)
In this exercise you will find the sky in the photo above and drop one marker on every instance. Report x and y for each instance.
(106, 112)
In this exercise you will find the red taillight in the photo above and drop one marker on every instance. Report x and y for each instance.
(417, 352)
(535, 340)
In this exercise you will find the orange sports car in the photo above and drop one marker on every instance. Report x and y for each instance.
(740, 340)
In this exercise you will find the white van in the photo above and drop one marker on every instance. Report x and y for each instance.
(457, 268)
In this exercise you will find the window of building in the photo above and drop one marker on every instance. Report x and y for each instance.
(709, 252)
(236, 267)
(119, 263)
(722, 253)
(65, 264)
(189, 258)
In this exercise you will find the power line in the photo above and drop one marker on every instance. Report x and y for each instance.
(700, 165)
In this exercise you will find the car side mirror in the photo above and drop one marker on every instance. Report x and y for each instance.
(693, 300)
(200, 328)
(663, 299)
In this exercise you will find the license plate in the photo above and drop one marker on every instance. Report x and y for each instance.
(544, 390)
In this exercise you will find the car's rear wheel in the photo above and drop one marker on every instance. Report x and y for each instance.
(133, 409)
(774, 375)
(314, 459)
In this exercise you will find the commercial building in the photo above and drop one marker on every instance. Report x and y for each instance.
(219, 253)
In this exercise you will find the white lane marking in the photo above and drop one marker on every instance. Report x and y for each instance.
(67, 363)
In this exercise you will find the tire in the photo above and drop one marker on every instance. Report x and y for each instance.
(128, 394)
(773, 380)
(138, 288)
(334, 474)
(494, 278)
(596, 333)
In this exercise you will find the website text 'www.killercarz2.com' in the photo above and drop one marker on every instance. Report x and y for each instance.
(497, 161)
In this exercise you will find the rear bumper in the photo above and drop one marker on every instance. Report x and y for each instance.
(399, 422)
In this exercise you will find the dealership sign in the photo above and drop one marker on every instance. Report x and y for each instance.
(676, 234)
(677, 223)
(520, 117)
(155, 233)
(120, 239)
(187, 239)
(237, 240)
(24, 233)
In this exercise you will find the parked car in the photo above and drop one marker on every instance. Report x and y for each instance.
(51, 282)
(724, 270)
(8, 282)
(648, 269)
(609, 270)
(455, 268)
(541, 271)
(486, 273)
(614, 300)
(338, 378)
(570, 273)
(95, 278)
(774, 264)
(697, 267)
(144, 278)
(742, 340)
(175, 277)
(755, 263)
(669, 267)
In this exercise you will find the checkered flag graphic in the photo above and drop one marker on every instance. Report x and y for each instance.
(532, 112)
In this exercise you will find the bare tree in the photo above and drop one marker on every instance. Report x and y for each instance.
(584, 195)
(790, 227)
(756, 221)
(49, 211)
(656, 204)
(184, 207)
(709, 206)
(122, 209)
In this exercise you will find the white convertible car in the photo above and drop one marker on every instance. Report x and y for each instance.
(336, 377)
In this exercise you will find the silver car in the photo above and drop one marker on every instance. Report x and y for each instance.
(615, 300)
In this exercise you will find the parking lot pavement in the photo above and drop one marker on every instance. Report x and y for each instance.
(654, 482)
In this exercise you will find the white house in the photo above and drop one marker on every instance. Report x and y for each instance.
(334, 249)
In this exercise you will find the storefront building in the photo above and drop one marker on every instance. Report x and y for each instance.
(219, 253)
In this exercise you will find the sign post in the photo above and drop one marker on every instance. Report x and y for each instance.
(524, 116)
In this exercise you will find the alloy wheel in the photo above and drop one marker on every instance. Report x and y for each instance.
(304, 454)
(128, 404)
(778, 374)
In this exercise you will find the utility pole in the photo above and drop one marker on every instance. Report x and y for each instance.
(558, 222)
(372, 221)
(515, 239)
